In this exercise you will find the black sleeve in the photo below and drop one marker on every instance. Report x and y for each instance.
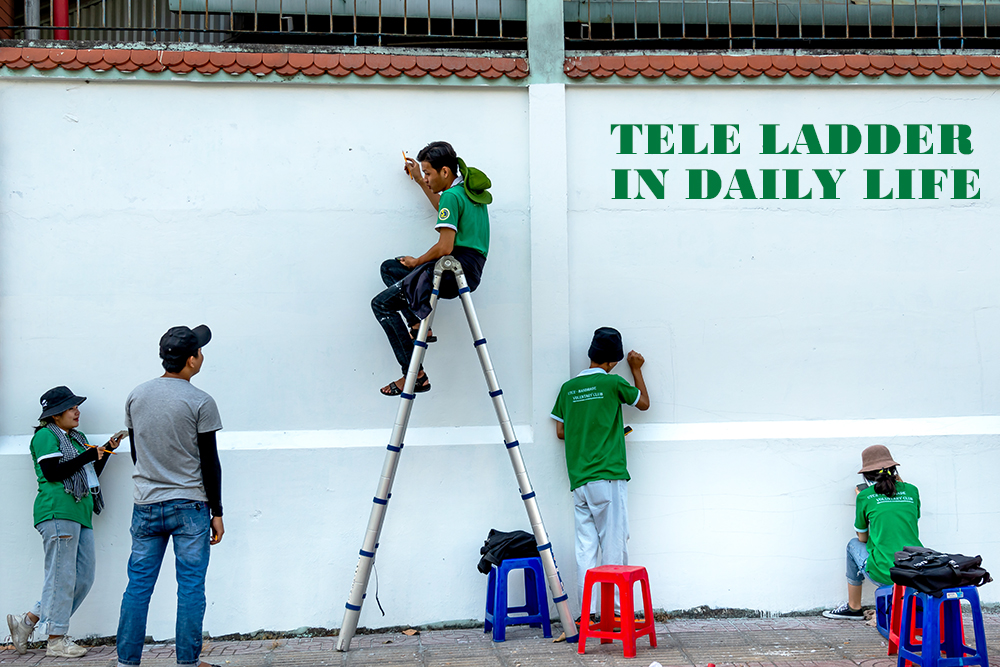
(131, 444)
(100, 463)
(56, 469)
(211, 471)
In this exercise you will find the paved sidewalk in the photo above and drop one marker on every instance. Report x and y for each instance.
(783, 642)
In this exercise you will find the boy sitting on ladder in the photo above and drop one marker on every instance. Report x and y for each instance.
(460, 195)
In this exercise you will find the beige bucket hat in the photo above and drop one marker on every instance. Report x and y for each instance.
(875, 458)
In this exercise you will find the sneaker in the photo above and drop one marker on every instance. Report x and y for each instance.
(63, 647)
(20, 632)
(845, 612)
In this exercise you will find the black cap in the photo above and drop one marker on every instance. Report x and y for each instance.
(58, 400)
(606, 346)
(179, 343)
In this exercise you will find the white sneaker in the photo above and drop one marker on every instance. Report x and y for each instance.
(63, 647)
(20, 631)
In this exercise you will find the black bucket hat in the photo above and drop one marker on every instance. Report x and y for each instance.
(606, 346)
(58, 400)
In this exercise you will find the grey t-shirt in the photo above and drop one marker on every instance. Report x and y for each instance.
(166, 416)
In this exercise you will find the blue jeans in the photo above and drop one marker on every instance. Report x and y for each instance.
(69, 571)
(857, 558)
(189, 524)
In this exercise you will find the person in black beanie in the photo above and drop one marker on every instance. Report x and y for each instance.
(588, 417)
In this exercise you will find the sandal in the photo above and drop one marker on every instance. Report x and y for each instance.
(431, 338)
(391, 389)
(420, 386)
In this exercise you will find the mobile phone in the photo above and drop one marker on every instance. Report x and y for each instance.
(120, 434)
(628, 429)
(862, 486)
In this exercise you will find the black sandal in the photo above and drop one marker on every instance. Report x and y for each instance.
(391, 389)
(422, 384)
(431, 338)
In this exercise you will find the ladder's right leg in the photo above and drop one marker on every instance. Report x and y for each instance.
(384, 489)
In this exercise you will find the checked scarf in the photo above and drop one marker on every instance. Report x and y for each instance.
(76, 484)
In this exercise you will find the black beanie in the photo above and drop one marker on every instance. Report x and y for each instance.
(606, 346)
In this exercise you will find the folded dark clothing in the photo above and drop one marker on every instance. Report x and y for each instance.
(418, 284)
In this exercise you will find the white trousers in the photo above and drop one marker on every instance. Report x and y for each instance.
(601, 513)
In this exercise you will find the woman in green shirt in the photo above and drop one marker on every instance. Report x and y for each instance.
(69, 494)
(885, 518)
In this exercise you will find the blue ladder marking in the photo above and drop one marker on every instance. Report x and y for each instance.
(353, 607)
(498, 392)
(525, 496)
(464, 290)
(420, 343)
(368, 554)
(561, 598)
(511, 445)
(481, 341)
(393, 449)
(545, 546)
(379, 501)
(435, 292)
(408, 397)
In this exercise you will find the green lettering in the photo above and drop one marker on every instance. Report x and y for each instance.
(892, 138)
(963, 182)
(874, 177)
(770, 183)
(916, 138)
(688, 139)
(724, 138)
(770, 138)
(930, 184)
(808, 138)
(792, 185)
(656, 135)
(741, 181)
(950, 134)
(621, 183)
(905, 180)
(625, 135)
(828, 182)
(655, 185)
(836, 135)
(712, 184)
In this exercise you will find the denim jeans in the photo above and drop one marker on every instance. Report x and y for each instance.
(69, 571)
(189, 524)
(857, 558)
(387, 306)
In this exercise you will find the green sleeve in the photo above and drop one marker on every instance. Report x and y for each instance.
(860, 520)
(627, 394)
(557, 409)
(43, 444)
(448, 209)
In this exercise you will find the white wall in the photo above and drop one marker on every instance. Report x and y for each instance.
(264, 211)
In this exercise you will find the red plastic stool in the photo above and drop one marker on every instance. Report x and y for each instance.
(607, 629)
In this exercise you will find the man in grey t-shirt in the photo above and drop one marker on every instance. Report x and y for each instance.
(178, 493)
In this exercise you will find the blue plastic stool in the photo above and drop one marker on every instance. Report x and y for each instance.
(883, 609)
(947, 638)
(536, 603)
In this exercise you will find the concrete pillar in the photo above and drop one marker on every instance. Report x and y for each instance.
(546, 41)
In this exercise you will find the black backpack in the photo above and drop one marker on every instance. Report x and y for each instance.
(930, 571)
(501, 546)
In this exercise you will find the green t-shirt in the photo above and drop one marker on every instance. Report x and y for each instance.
(53, 500)
(891, 524)
(590, 407)
(471, 221)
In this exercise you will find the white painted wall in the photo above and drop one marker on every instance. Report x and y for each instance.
(264, 211)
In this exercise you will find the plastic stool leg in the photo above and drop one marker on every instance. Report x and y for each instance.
(647, 610)
(491, 594)
(607, 622)
(500, 617)
(581, 641)
(627, 601)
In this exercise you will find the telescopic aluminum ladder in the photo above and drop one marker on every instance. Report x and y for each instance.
(381, 500)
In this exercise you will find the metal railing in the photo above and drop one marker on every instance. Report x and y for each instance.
(727, 24)
(439, 23)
